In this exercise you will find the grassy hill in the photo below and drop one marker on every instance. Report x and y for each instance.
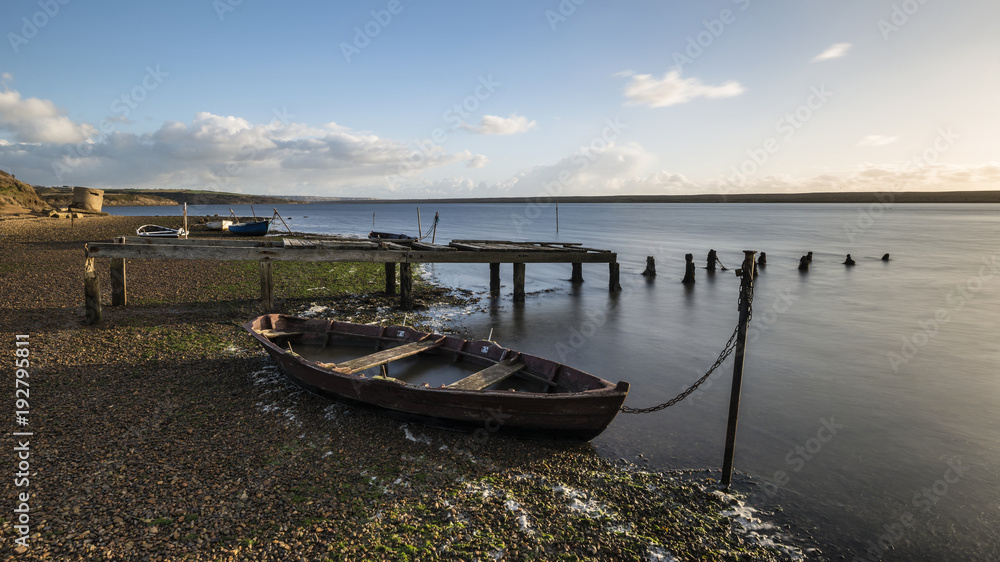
(18, 197)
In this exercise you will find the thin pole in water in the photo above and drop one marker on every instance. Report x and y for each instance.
(373, 219)
(434, 236)
(557, 217)
(746, 294)
(419, 232)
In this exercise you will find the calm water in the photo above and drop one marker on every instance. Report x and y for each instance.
(871, 400)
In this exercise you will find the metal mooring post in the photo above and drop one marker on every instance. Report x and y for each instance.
(746, 297)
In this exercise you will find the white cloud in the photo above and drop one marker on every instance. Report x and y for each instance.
(232, 154)
(877, 140)
(495, 125)
(644, 89)
(37, 120)
(834, 51)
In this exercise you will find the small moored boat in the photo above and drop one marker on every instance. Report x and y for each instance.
(388, 367)
(153, 230)
(373, 235)
(218, 225)
(258, 228)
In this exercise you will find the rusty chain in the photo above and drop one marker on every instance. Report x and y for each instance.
(726, 352)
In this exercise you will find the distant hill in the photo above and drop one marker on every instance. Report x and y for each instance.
(62, 196)
(18, 197)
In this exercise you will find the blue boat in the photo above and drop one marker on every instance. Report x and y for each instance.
(258, 228)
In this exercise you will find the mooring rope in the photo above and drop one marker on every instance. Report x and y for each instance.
(726, 352)
(431, 229)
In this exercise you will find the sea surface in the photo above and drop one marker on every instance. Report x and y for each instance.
(870, 410)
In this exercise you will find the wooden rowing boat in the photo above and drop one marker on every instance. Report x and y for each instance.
(156, 231)
(381, 367)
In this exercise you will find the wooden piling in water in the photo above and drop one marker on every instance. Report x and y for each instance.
(390, 278)
(712, 258)
(92, 291)
(650, 270)
(688, 269)
(494, 279)
(405, 286)
(577, 275)
(266, 286)
(614, 281)
(518, 281)
(762, 260)
(804, 263)
(119, 296)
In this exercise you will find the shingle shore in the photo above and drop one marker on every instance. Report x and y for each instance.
(164, 434)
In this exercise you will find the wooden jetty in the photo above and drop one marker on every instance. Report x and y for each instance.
(333, 249)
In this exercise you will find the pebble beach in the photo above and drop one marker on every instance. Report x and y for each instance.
(164, 433)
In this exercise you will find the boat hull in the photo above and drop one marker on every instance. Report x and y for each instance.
(156, 231)
(584, 407)
(258, 228)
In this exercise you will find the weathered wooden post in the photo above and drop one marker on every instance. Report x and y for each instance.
(712, 258)
(494, 279)
(762, 260)
(577, 275)
(849, 260)
(185, 220)
(519, 282)
(419, 232)
(809, 257)
(804, 263)
(119, 296)
(688, 269)
(614, 277)
(557, 216)
(405, 286)
(266, 286)
(91, 290)
(390, 278)
(746, 296)
(885, 257)
(435, 229)
(650, 270)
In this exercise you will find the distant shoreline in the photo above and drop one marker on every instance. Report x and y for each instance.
(884, 197)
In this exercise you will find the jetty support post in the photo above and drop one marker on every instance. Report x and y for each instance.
(494, 279)
(746, 294)
(650, 270)
(266, 286)
(390, 278)
(688, 269)
(577, 276)
(518, 281)
(119, 295)
(91, 290)
(614, 281)
(405, 286)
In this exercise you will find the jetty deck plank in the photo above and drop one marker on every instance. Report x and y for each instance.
(488, 376)
(387, 355)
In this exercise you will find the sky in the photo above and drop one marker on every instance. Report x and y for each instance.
(421, 98)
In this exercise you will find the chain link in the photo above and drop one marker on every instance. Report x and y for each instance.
(726, 352)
